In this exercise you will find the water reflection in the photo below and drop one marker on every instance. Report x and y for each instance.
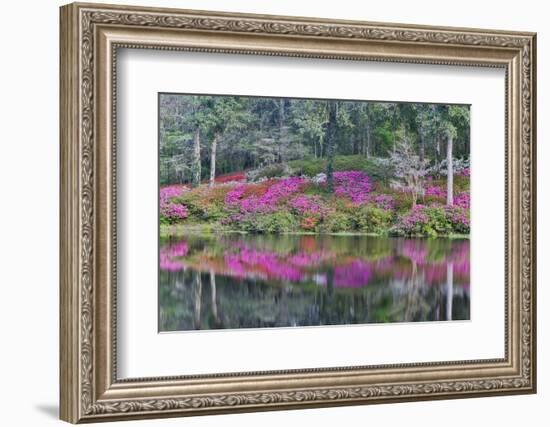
(251, 281)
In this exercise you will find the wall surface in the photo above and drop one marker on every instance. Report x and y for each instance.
(29, 170)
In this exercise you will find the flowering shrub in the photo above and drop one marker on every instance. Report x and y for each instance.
(169, 210)
(462, 200)
(204, 203)
(383, 201)
(231, 177)
(435, 191)
(459, 218)
(355, 185)
(303, 204)
(170, 192)
(233, 196)
(432, 221)
(276, 191)
(412, 223)
(174, 211)
(299, 203)
(309, 223)
(461, 167)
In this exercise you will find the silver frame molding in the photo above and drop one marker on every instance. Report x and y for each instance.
(90, 37)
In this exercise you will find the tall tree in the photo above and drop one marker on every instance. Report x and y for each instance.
(196, 167)
(213, 150)
(450, 171)
(331, 142)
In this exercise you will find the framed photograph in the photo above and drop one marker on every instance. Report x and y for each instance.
(266, 212)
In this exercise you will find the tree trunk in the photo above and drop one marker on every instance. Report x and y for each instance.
(198, 300)
(315, 148)
(449, 169)
(368, 132)
(196, 167)
(421, 145)
(331, 136)
(213, 295)
(281, 127)
(449, 305)
(213, 160)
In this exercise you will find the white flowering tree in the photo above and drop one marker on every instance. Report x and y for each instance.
(410, 171)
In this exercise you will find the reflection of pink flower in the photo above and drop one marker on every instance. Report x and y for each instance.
(311, 261)
(168, 254)
(353, 275)
(415, 250)
(304, 259)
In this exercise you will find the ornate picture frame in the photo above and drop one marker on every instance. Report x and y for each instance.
(90, 37)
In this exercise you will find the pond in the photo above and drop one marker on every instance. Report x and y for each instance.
(232, 281)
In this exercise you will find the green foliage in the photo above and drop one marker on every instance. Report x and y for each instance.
(438, 222)
(273, 171)
(252, 132)
(371, 219)
(402, 201)
(277, 222)
(205, 204)
(311, 167)
(461, 183)
(338, 222)
(432, 221)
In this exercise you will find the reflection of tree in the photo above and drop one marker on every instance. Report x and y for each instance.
(198, 298)
(213, 296)
(450, 292)
(311, 280)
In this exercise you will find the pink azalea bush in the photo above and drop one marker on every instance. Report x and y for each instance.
(303, 204)
(433, 221)
(171, 211)
(383, 201)
(436, 191)
(462, 200)
(355, 185)
(290, 204)
(268, 201)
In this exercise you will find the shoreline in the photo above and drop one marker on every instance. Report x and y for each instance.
(180, 230)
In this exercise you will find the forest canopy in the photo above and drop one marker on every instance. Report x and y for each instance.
(199, 133)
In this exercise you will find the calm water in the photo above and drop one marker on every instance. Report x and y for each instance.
(254, 281)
